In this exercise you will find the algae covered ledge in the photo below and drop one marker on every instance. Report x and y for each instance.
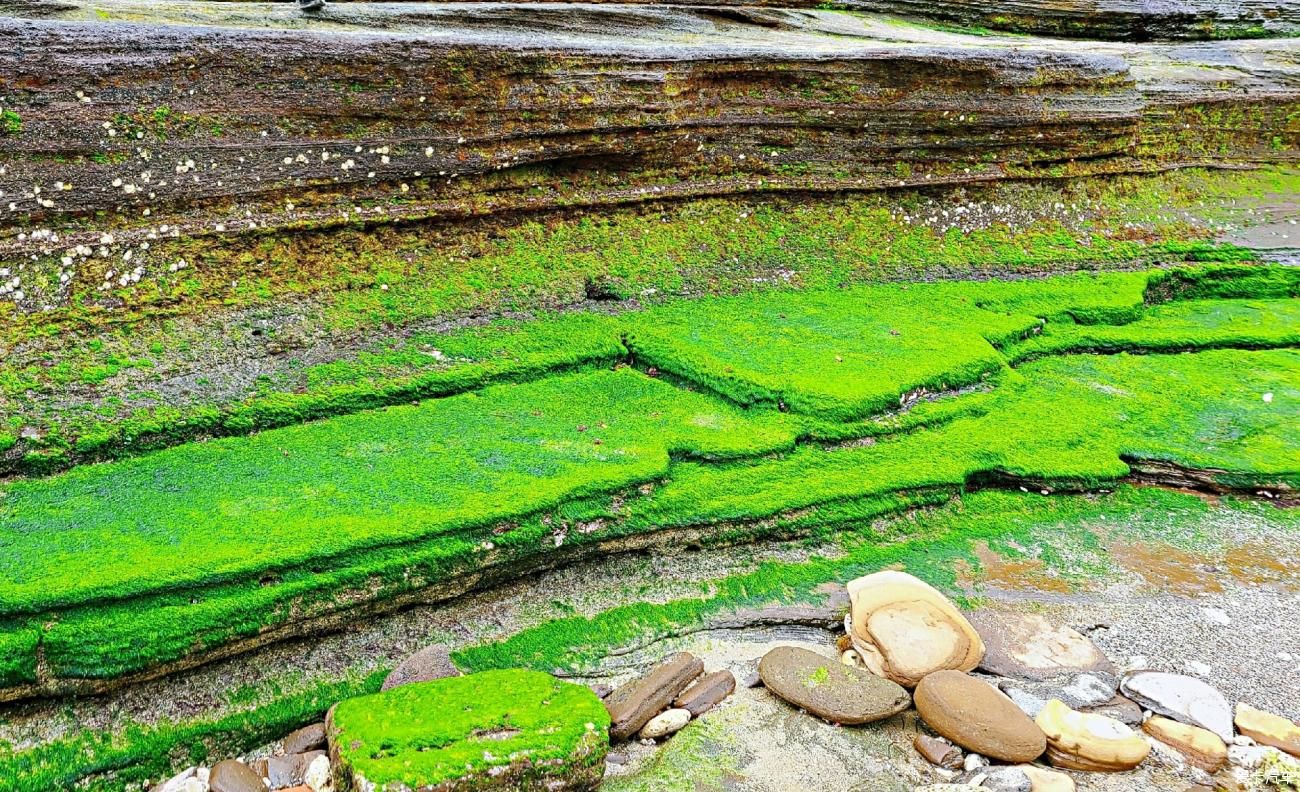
(646, 396)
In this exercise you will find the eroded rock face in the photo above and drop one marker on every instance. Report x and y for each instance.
(430, 663)
(1130, 20)
(978, 717)
(904, 629)
(1087, 741)
(829, 689)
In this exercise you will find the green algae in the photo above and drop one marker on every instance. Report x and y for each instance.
(933, 544)
(189, 514)
(494, 477)
(528, 725)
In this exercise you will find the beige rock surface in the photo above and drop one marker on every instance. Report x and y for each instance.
(1202, 748)
(1266, 728)
(904, 629)
(1087, 741)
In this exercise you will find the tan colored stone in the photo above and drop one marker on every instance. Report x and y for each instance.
(904, 629)
(1044, 780)
(978, 717)
(1087, 741)
(1266, 728)
(1202, 748)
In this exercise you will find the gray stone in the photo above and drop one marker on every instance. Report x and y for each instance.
(829, 689)
(1077, 690)
(1007, 779)
(1119, 708)
(430, 663)
(1183, 698)
(285, 771)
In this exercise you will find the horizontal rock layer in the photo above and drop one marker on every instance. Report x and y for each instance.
(458, 110)
(1130, 20)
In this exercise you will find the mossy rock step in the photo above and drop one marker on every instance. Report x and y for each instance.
(511, 729)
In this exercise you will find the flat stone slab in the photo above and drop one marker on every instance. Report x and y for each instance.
(515, 730)
(633, 705)
(1183, 698)
(1028, 646)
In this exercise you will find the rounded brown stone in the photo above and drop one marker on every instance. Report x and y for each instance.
(978, 717)
(827, 688)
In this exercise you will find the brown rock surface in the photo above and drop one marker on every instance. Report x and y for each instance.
(1202, 748)
(308, 738)
(1087, 741)
(904, 629)
(829, 689)
(1028, 646)
(938, 751)
(707, 692)
(232, 776)
(635, 703)
(1266, 728)
(978, 717)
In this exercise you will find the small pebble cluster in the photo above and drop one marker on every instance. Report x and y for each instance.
(1014, 700)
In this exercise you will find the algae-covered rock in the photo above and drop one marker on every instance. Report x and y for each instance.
(519, 730)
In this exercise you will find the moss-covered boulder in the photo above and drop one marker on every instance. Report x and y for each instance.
(512, 729)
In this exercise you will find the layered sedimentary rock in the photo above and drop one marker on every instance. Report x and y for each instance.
(1128, 20)
(118, 157)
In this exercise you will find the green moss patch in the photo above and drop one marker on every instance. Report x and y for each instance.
(208, 512)
(500, 729)
(164, 557)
